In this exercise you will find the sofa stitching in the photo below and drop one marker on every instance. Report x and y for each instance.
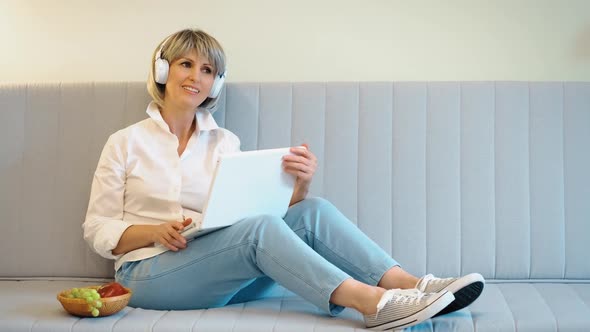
(514, 325)
(157, 320)
(202, 312)
(120, 318)
(547, 305)
(238, 318)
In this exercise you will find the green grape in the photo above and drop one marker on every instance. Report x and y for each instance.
(89, 295)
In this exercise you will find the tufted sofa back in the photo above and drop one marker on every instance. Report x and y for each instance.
(450, 177)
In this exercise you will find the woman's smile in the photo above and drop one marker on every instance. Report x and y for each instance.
(191, 90)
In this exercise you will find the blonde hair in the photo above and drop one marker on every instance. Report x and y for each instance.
(178, 45)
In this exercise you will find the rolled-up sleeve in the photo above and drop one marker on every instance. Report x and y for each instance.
(104, 223)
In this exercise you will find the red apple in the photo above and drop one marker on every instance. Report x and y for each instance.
(111, 289)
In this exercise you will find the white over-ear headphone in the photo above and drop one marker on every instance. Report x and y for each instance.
(161, 68)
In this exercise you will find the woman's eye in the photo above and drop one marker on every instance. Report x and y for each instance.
(207, 70)
(185, 64)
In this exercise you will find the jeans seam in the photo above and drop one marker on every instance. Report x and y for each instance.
(320, 291)
(370, 275)
(159, 275)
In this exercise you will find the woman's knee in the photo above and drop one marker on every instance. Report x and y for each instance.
(316, 204)
(310, 213)
(265, 224)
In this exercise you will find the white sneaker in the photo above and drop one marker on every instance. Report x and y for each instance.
(466, 289)
(400, 308)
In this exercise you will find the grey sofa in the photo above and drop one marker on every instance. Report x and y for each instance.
(450, 177)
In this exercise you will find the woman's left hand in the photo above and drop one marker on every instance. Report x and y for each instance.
(303, 164)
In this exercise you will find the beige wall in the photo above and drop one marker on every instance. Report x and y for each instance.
(302, 40)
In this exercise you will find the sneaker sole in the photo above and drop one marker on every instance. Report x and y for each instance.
(432, 309)
(466, 290)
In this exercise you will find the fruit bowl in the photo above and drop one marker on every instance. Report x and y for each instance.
(79, 307)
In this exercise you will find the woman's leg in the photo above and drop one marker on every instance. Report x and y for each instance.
(325, 229)
(215, 267)
(314, 218)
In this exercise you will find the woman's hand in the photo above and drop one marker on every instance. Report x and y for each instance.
(168, 234)
(302, 164)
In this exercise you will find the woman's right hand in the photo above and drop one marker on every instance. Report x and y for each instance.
(168, 234)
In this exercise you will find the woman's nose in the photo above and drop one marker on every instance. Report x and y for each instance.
(195, 75)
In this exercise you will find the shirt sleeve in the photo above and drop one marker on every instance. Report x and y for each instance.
(231, 143)
(104, 223)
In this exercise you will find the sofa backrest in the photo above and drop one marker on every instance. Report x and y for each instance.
(449, 177)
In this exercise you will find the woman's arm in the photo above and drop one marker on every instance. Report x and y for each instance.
(104, 228)
(139, 236)
(104, 223)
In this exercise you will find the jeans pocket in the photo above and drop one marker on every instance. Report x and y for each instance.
(126, 270)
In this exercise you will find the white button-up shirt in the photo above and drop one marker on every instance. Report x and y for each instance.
(141, 180)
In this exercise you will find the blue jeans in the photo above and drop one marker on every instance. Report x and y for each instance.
(310, 252)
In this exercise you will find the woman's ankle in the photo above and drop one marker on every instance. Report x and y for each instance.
(396, 277)
(369, 305)
(357, 295)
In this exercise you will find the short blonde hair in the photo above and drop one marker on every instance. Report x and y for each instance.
(178, 45)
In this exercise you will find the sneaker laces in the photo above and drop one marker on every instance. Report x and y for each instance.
(430, 279)
(402, 296)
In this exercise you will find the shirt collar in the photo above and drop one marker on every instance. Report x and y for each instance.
(204, 119)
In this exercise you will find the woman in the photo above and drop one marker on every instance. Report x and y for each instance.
(152, 179)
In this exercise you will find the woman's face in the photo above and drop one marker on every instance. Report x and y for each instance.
(189, 81)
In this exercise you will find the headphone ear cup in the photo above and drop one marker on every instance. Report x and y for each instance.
(161, 68)
(217, 85)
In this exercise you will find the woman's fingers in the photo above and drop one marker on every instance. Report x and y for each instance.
(174, 236)
(302, 153)
(298, 167)
(172, 244)
(299, 159)
(167, 243)
(300, 163)
(187, 222)
(170, 237)
(299, 171)
(306, 166)
(178, 244)
(176, 226)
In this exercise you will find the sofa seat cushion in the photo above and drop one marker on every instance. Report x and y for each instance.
(32, 306)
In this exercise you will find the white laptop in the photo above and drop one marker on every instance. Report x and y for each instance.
(245, 184)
